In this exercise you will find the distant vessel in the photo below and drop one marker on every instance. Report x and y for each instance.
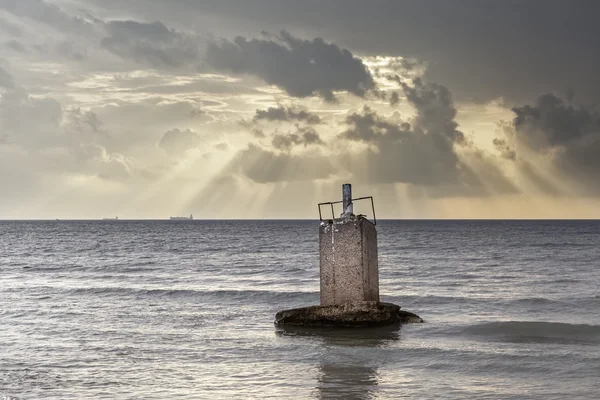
(110, 219)
(182, 218)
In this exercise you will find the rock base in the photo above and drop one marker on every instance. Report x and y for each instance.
(363, 314)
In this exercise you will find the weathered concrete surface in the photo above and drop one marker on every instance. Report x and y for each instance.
(360, 314)
(348, 261)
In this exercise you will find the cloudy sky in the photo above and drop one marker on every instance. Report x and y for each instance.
(263, 108)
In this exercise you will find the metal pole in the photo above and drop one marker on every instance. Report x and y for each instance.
(347, 199)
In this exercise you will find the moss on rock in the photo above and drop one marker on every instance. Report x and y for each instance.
(362, 314)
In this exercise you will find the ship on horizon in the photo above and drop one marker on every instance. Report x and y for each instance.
(111, 219)
(191, 217)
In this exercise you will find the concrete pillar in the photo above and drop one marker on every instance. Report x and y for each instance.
(348, 258)
(349, 276)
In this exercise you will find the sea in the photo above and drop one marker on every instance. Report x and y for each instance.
(185, 309)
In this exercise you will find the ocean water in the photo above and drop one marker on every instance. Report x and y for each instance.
(167, 309)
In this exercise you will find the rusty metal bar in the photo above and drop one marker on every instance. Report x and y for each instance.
(347, 199)
(342, 201)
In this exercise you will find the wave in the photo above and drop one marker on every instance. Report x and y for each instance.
(559, 244)
(430, 300)
(538, 332)
(434, 300)
(225, 295)
(563, 280)
(535, 301)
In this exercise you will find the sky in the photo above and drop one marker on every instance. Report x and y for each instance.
(264, 108)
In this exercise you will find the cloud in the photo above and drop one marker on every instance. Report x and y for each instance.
(75, 34)
(264, 166)
(304, 136)
(300, 67)
(552, 122)
(567, 135)
(110, 166)
(49, 14)
(282, 113)
(424, 151)
(70, 50)
(202, 84)
(151, 43)
(9, 27)
(549, 44)
(15, 45)
(221, 146)
(6, 79)
(102, 97)
(83, 128)
(57, 141)
(177, 141)
(504, 149)
(435, 109)
(31, 122)
(401, 152)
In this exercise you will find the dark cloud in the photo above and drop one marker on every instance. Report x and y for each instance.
(151, 43)
(264, 166)
(568, 135)
(401, 152)
(504, 149)
(15, 45)
(424, 152)
(177, 141)
(304, 136)
(435, 109)
(552, 122)
(394, 98)
(367, 126)
(301, 67)
(480, 49)
(282, 113)
(6, 79)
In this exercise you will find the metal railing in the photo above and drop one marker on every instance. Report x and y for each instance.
(331, 203)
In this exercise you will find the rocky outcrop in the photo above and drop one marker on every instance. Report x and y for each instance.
(362, 314)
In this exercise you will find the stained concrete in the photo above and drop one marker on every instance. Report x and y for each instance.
(348, 260)
(361, 314)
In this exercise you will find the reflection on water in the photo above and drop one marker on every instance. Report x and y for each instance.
(345, 369)
(346, 381)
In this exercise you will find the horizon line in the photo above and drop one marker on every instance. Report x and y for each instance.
(104, 219)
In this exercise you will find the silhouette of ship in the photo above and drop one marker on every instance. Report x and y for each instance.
(182, 218)
(111, 219)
